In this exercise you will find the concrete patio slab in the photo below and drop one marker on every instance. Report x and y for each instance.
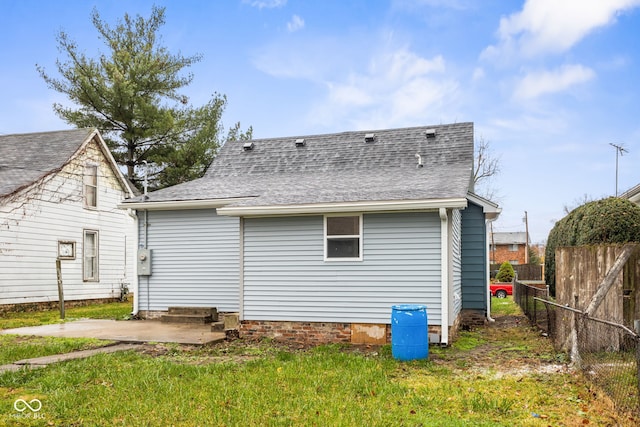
(135, 331)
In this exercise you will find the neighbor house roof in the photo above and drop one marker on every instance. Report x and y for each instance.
(502, 238)
(306, 173)
(28, 157)
(633, 194)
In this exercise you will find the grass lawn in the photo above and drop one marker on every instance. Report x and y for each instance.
(119, 310)
(505, 374)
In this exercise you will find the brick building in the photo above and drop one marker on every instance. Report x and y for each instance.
(511, 247)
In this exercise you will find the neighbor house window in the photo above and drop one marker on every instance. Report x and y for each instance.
(513, 247)
(90, 188)
(343, 238)
(90, 256)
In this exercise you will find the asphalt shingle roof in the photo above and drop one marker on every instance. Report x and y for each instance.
(509, 238)
(25, 158)
(339, 167)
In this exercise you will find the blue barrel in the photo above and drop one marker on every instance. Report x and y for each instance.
(409, 332)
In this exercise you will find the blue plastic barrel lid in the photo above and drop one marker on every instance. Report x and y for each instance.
(409, 307)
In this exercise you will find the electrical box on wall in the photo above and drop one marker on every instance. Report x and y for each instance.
(144, 262)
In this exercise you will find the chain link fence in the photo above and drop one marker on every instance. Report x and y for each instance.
(607, 353)
(537, 312)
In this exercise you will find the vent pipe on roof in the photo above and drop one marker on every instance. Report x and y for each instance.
(370, 137)
(419, 157)
(430, 133)
(248, 146)
(300, 142)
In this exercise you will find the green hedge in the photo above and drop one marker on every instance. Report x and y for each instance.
(610, 220)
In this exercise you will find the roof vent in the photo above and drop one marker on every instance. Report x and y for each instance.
(300, 142)
(248, 146)
(430, 133)
(370, 137)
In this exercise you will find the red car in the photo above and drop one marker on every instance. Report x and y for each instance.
(501, 290)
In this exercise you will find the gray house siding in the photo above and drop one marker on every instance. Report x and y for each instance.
(456, 246)
(287, 279)
(195, 257)
(474, 258)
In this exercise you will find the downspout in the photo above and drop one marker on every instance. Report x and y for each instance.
(488, 272)
(444, 272)
(132, 213)
(146, 241)
(241, 272)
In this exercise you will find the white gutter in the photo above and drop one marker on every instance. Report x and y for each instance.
(180, 204)
(444, 271)
(341, 207)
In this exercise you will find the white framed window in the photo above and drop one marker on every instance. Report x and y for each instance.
(90, 186)
(343, 238)
(90, 256)
(513, 247)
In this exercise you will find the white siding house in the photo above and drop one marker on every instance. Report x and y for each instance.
(59, 193)
(325, 233)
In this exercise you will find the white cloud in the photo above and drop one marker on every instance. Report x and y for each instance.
(266, 4)
(478, 74)
(539, 83)
(398, 88)
(552, 26)
(295, 24)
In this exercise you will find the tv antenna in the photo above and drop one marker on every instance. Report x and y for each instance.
(620, 150)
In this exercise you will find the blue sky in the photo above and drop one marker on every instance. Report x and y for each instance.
(549, 84)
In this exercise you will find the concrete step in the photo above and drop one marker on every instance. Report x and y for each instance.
(217, 326)
(196, 319)
(227, 322)
(231, 321)
(195, 311)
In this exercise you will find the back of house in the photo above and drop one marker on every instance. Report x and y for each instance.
(315, 238)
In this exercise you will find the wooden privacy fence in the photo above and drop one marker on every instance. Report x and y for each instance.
(580, 273)
(596, 316)
(523, 271)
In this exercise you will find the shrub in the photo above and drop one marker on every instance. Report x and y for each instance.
(506, 273)
(610, 220)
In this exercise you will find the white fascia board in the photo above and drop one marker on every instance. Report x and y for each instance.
(343, 207)
(179, 204)
(489, 208)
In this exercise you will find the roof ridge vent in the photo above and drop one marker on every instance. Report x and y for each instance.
(369, 137)
(248, 146)
(300, 142)
(430, 133)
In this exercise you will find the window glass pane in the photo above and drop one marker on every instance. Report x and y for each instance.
(343, 248)
(90, 252)
(90, 185)
(343, 226)
(90, 196)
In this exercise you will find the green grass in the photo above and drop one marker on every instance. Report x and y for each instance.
(15, 347)
(324, 386)
(120, 310)
(504, 307)
(256, 383)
